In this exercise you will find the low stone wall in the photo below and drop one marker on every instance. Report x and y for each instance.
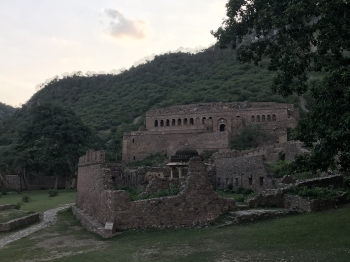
(334, 180)
(7, 207)
(296, 203)
(35, 182)
(273, 199)
(90, 223)
(19, 222)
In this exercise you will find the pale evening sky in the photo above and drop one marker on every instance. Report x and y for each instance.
(40, 39)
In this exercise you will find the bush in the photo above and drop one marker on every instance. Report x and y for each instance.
(53, 193)
(280, 168)
(321, 193)
(230, 187)
(240, 198)
(25, 199)
(18, 205)
(240, 190)
(346, 183)
(250, 137)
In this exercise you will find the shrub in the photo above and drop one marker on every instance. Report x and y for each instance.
(280, 168)
(250, 137)
(322, 193)
(240, 190)
(247, 192)
(53, 193)
(240, 198)
(346, 183)
(230, 187)
(18, 205)
(25, 199)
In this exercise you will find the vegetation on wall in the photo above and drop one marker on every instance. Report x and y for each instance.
(250, 137)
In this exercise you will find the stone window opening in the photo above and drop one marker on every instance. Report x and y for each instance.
(167, 122)
(257, 118)
(222, 127)
(156, 123)
(133, 140)
(261, 181)
(185, 121)
(191, 121)
(237, 181)
(161, 122)
(250, 180)
(210, 118)
(273, 117)
(179, 122)
(134, 158)
(218, 180)
(268, 118)
(253, 118)
(226, 181)
(203, 120)
(173, 122)
(263, 118)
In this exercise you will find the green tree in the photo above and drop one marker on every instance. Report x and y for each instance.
(301, 37)
(53, 141)
(250, 137)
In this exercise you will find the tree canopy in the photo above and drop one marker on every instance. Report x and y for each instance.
(301, 37)
(53, 140)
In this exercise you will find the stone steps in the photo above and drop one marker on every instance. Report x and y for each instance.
(251, 215)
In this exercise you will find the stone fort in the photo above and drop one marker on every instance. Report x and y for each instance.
(206, 126)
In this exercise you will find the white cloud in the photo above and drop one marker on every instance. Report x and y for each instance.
(122, 27)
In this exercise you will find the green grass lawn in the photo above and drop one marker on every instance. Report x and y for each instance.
(308, 237)
(39, 199)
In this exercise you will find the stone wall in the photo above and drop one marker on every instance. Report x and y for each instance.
(252, 173)
(140, 177)
(196, 204)
(35, 182)
(7, 207)
(19, 222)
(205, 126)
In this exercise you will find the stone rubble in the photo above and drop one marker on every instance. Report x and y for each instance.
(48, 220)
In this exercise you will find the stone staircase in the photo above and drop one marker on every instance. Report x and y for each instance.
(246, 215)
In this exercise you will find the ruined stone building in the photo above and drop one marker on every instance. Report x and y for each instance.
(206, 126)
(250, 169)
(99, 204)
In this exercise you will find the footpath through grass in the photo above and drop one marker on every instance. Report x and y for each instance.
(39, 199)
(309, 237)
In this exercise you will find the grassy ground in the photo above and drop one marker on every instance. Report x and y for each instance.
(309, 237)
(7, 215)
(39, 199)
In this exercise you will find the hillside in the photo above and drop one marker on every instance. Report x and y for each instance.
(110, 103)
(5, 111)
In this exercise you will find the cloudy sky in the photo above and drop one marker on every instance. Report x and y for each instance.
(40, 39)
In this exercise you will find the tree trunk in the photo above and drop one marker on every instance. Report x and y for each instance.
(56, 183)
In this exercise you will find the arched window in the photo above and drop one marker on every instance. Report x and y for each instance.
(268, 118)
(179, 122)
(253, 118)
(191, 121)
(161, 122)
(167, 122)
(257, 118)
(203, 120)
(156, 123)
(222, 127)
(273, 117)
(185, 121)
(173, 122)
(263, 118)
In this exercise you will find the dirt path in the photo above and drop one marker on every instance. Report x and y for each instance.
(48, 219)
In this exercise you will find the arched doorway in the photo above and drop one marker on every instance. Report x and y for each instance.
(222, 127)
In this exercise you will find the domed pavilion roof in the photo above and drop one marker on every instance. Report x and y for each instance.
(184, 154)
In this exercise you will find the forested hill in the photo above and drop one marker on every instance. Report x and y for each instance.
(110, 103)
(5, 111)
(105, 101)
